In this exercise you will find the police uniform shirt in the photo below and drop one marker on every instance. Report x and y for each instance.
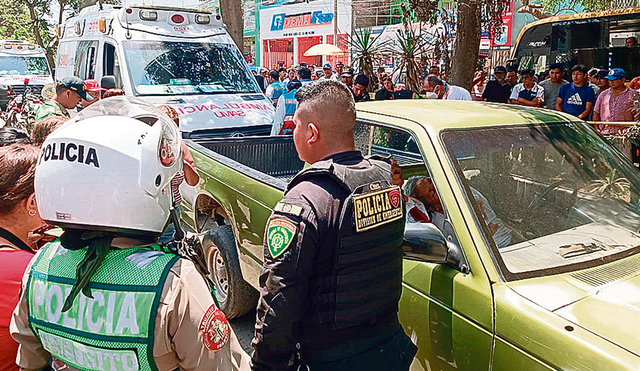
(311, 213)
(178, 343)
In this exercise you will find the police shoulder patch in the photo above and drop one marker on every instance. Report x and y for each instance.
(282, 207)
(280, 233)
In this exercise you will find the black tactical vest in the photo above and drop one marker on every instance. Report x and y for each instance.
(366, 280)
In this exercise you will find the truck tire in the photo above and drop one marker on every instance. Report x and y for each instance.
(235, 295)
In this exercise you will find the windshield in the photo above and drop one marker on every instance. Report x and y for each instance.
(170, 68)
(568, 199)
(18, 65)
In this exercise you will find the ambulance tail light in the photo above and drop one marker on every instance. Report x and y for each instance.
(148, 15)
(202, 19)
(177, 18)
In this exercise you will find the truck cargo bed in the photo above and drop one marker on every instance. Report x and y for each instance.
(274, 156)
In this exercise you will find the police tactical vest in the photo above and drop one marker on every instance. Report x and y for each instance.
(366, 280)
(114, 330)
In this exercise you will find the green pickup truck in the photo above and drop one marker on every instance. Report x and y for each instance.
(534, 265)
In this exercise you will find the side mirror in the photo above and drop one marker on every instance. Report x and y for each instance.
(425, 242)
(108, 82)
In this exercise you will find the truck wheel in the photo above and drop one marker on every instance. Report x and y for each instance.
(235, 295)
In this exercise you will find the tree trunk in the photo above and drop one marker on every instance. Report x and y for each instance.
(35, 26)
(465, 50)
(231, 12)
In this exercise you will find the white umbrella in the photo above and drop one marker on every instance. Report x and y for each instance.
(323, 49)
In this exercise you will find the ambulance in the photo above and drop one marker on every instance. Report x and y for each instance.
(23, 66)
(180, 57)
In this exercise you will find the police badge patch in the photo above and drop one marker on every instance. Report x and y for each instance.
(374, 209)
(280, 233)
(214, 328)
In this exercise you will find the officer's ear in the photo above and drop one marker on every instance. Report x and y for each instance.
(313, 133)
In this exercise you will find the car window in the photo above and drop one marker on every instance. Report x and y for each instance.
(563, 197)
(410, 172)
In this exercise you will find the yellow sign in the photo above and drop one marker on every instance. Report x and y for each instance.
(374, 209)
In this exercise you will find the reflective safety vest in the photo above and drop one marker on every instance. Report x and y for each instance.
(114, 330)
(278, 90)
(290, 105)
(365, 282)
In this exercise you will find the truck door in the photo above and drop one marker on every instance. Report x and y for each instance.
(86, 56)
(447, 313)
(111, 63)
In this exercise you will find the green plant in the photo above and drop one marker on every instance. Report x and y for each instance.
(410, 46)
(610, 186)
(366, 48)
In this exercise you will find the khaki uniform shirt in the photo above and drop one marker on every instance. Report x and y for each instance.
(177, 342)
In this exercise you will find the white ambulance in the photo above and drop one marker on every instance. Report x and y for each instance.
(181, 57)
(23, 66)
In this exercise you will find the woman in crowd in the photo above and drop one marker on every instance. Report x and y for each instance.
(9, 135)
(19, 217)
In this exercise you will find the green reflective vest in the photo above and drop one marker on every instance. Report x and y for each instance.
(114, 330)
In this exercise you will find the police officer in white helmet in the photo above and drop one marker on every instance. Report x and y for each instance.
(103, 296)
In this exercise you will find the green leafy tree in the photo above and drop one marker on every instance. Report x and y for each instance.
(368, 48)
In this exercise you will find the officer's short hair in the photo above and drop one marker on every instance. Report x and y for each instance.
(434, 80)
(323, 94)
(274, 74)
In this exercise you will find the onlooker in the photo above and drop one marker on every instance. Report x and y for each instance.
(261, 83)
(593, 75)
(282, 74)
(616, 103)
(10, 135)
(188, 173)
(434, 70)
(44, 127)
(601, 81)
(360, 84)
(339, 67)
(69, 92)
(94, 90)
(512, 77)
(576, 98)
(478, 85)
(347, 77)
(634, 83)
(631, 41)
(305, 76)
(327, 73)
(378, 82)
(112, 93)
(287, 103)
(443, 76)
(275, 88)
(387, 89)
(443, 90)
(497, 90)
(552, 85)
(18, 218)
(528, 92)
(314, 76)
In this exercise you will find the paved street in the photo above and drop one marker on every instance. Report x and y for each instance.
(243, 327)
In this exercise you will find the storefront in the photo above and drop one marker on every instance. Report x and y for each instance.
(288, 30)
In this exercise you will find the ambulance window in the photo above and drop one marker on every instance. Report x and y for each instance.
(111, 64)
(423, 199)
(86, 59)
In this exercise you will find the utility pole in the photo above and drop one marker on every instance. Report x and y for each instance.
(335, 22)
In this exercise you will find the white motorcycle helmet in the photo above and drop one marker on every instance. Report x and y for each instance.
(109, 169)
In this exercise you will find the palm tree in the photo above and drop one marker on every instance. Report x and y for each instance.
(410, 46)
(610, 186)
(367, 48)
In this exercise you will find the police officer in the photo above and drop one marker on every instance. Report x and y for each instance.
(275, 88)
(286, 107)
(332, 271)
(102, 297)
(69, 92)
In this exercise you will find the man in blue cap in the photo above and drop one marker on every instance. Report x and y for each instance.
(616, 103)
(327, 73)
(497, 90)
(69, 91)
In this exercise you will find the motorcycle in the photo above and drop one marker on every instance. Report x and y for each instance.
(21, 110)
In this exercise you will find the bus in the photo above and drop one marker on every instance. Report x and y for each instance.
(596, 39)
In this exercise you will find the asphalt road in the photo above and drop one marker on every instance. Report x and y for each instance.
(243, 327)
